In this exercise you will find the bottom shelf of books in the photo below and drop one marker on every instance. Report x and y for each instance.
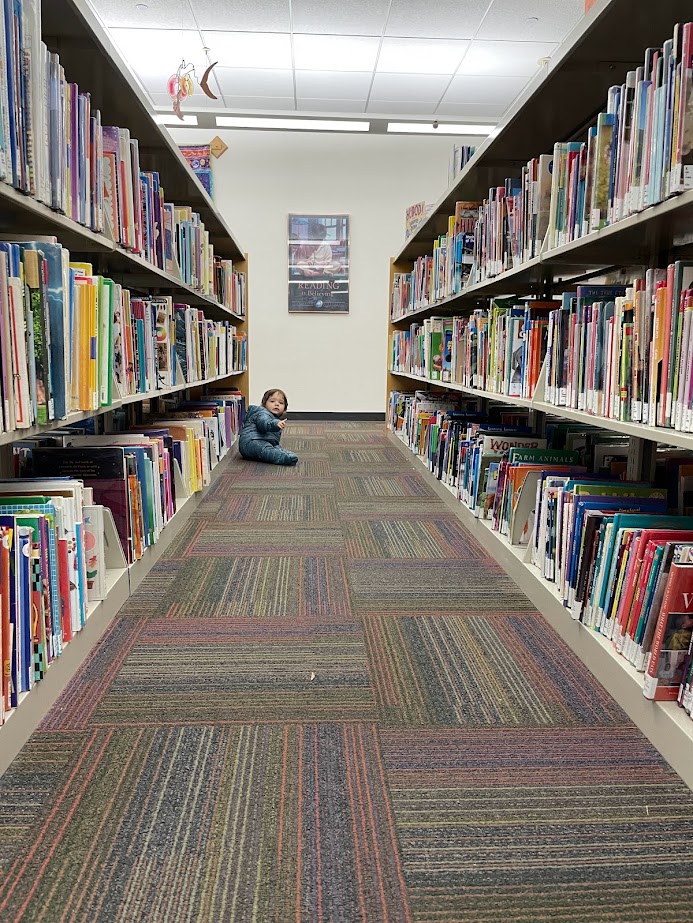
(82, 523)
(608, 562)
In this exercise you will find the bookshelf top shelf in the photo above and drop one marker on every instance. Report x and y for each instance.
(560, 103)
(72, 29)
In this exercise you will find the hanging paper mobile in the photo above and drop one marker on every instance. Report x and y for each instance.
(180, 86)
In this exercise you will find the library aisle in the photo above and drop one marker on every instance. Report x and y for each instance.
(328, 703)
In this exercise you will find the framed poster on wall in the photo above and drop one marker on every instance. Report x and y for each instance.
(318, 264)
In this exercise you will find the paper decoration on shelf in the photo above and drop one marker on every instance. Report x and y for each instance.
(204, 86)
(180, 86)
(218, 147)
(199, 158)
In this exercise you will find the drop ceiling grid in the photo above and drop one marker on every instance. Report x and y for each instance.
(452, 58)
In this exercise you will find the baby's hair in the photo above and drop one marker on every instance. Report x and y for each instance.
(272, 391)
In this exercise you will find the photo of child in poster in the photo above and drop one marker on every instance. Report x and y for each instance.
(319, 264)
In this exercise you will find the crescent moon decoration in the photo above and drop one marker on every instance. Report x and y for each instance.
(204, 86)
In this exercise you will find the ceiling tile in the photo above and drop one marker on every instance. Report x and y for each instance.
(335, 52)
(512, 59)
(337, 17)
(243, 15)
(448, 19)
(400, 107)
(172, 46)
(255, 82)
(333, 84)
(328, 106)
(420, 56)
(263, 50)
(412, 87)
(532, 20)
(259, 103)
(158, 13)
(471, 112)
(498, 91)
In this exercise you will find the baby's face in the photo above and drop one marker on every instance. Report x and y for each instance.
(275, 404)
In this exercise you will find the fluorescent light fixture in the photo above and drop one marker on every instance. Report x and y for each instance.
(237, 121)
(426, 128)
(173, 119)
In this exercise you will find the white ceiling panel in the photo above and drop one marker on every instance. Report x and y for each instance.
(255, 82)
(531, 20)
(335, 52)
(262, 50)
(124, 13)
(511, 59)
(340, 17)
(400, 107)
(498, 91)
(409, 87)
(326, 85)
(243, 15)
(342, 106)
(443, 19)
(420, 56)
(172, 45)
(259, 103)
(470, 112)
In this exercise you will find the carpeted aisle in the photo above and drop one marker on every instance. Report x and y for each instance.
(329, 705)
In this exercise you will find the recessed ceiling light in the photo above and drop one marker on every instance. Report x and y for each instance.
(532, 19)
(141, 7)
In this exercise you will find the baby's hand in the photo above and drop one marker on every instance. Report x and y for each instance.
(281, 424)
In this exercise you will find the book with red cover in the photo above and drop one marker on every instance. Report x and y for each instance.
(672, 636)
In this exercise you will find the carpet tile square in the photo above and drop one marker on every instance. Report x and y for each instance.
(539, 825)
(240, 668)
(273, 537)
(479, 670)
(428, 586)
(191, 824)
(287, 587)
(361, 487)
(437, 539)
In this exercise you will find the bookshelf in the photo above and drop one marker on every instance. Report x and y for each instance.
(70, 28)
(559, 105)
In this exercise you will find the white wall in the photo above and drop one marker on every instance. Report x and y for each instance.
(331, 362)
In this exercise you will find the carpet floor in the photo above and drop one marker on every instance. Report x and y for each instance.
(328, 704)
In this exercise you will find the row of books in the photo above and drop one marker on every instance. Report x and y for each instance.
(53, 146)
(626, 352)
(500, 349)
(513, 221)
(639, 152)
(460, 155)
(619, 553)
(443, 274)
(71, 340)
(88, 504)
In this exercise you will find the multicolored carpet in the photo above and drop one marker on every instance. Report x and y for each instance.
(327, 704)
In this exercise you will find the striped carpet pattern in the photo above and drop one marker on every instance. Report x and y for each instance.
(327, 704)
